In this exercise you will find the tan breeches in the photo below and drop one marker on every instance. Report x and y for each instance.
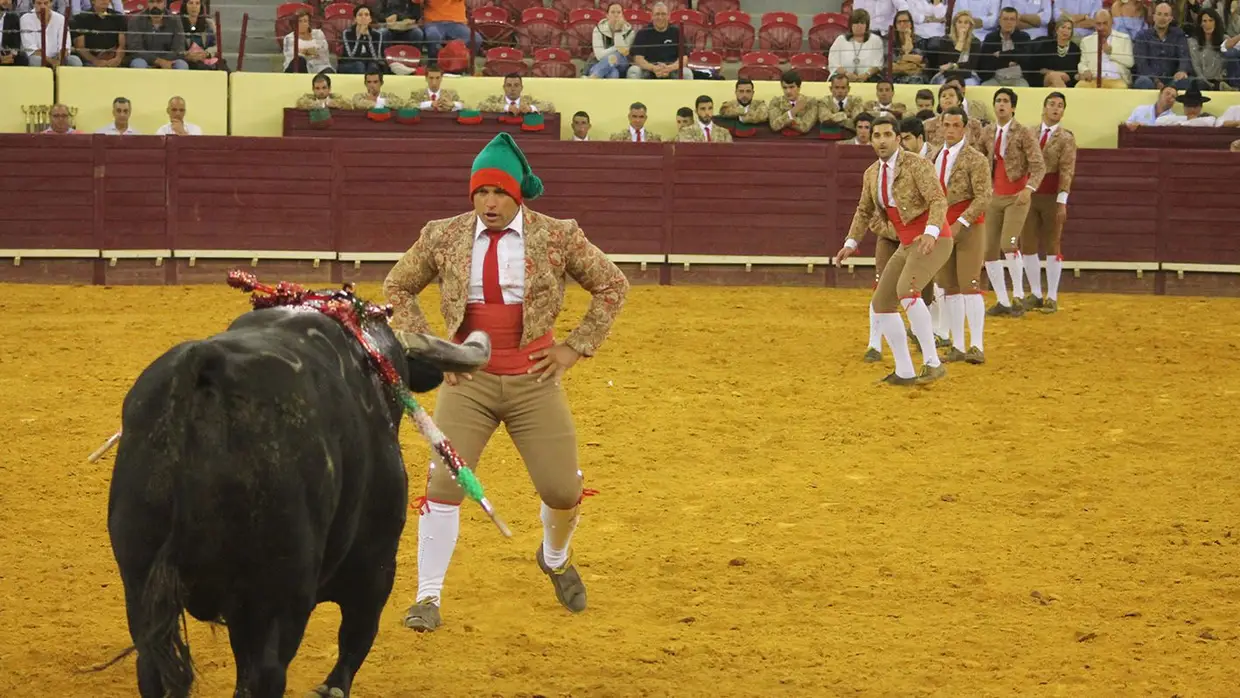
(537, 418)
(1005, 221)
(963, 271)
(907, 273)
(883, 249)
(1042, 233)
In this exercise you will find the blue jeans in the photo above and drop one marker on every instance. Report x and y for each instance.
(437, 34)
(1232, 61)
(69, 60)
(1144, 82)
(606, 69)
(178, 64)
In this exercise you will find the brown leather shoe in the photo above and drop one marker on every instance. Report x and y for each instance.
(974, 356)
(893, 379)
(872, 355)
(423, 616)
(1033, 302)
(929, 374)
(1050, 306)
(954, 355)
(570, 591)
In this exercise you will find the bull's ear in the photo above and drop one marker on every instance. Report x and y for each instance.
(423, 377)
(467, 357)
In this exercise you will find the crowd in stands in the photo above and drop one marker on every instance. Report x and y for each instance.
(61, 118)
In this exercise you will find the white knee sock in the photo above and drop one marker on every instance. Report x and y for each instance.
(1054, 267)
(1017, 269)
(876, 337)
(437, 532)
(940, 313)
(919, 319)
(998, 284)
(975, 312)
(558, 527)
(1033, 272)
(955, 311)
(892, 328)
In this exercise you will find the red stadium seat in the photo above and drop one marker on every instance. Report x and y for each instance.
(494, 25)
(518, 7)
(286, 19)
(675, 5)
(579, 32)
(710, 8)
(629, 5)
(827, 27)
(705, 60)
(472, 6)
(692, 27)
(337, 17)
(760, 65)
(812, 67)
(553, 63)
(502, 61)
(732, 34)
(134, 7)
(780, 33)
(403, 54)
(566, 7)
(540, 28)
(175, 7)
(637, 18)
(455, 57)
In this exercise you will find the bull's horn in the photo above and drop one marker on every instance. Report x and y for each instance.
(472, 355)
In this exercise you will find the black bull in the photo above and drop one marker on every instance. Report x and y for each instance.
(259, 474)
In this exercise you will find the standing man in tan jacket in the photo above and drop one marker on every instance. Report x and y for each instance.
(502, 270)
(1017, 165)
(1048, 208)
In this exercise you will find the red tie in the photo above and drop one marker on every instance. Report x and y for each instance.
(639, 136)
(708, 134)
(998, 143)
(434, 97)
(1046, 132)
(491, 292)
(943, 170)
(882, 186)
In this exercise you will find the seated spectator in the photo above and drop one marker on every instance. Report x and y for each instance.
(859, 54)
(155, 40)
(321, 95)
(374, 97)
(885, 105)
(656, 48)
(361, 45)
(929, 17)
(61, 125)
(201, 52)
(613, 35)
(435, 96)
(958, 52)
(121, 110)
(1161, 53)
(840, 108)
(684, 118)
(1205, 48)
(1082, 13)
(99, 36)
(1129, 16)
(513, 101)
(444, 21)
(976, 109)
(308, 52)
(177, 125)
(44, 26)
(1005, 53)
(581, 126)
(1149, 114)
(792, 113)
(864, 124)
(1117, 58)
(11, 52)
(983, 13)
(636, 132)
(951, 95)
(1230, 118)
(400, 22)
(73, 8)
(744, 108)
(924, 100)
(1193, 115)
(704, 129)
(1032, 17)
(907, 62)
(1057, 57)
(1231, 46)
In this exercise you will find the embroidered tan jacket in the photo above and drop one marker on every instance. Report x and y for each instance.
(334, 101)
(498, 103)
(969, 178)
(417, 97)
(977, 110)
(1022, 155)
(647, 137)
(896, 109)
(694, 134)
(972, 133)
(916, 189)
(554, 250)
(829, 111)
(756, 114)
(363, 100)
(1059, 155)
(779, 108)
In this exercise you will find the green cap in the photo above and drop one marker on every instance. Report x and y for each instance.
(408, 115)
(469, 116)
(533, 121)
(502, 164)
(379, 114)
(320, 118)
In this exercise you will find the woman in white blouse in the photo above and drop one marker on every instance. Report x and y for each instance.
(930, 16)
(313, 55)
(860, 54)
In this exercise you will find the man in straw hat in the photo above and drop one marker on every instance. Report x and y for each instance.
(502, 270)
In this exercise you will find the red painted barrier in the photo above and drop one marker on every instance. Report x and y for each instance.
(360, 195)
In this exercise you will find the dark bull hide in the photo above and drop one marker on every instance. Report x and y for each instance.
(258, 475)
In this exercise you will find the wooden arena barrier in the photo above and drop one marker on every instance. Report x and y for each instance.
(1177, 137)
(98, 209)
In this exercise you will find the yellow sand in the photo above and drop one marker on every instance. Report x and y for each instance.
(771, 522)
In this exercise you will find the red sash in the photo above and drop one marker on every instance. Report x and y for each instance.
(790, 132)
(1003, 185)
(908, 232)
(503, 322)
(954, 211)
(1050, 184)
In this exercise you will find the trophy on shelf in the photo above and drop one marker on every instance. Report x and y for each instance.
(39, 117)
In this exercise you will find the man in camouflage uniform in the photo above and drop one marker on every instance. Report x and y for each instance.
(322, 96)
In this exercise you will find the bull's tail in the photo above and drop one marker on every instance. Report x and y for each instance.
(161, 642)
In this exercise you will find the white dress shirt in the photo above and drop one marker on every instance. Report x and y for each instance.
(190, 129)
(949, 155)
(112, 130)
(705, 128)
(1049, 132)
(510, 255)
(633, 135)
(517, 103)
(54, 34)
(582, 140)
(428, 104)
(924, 10)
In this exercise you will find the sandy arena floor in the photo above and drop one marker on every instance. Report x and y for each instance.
(1060, 521)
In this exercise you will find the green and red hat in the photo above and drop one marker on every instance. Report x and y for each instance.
(502, 164)
(408, 115)
(379, 114)
(320, 118)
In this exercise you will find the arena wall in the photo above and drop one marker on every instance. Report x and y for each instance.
(144, 209)
(254, 102)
